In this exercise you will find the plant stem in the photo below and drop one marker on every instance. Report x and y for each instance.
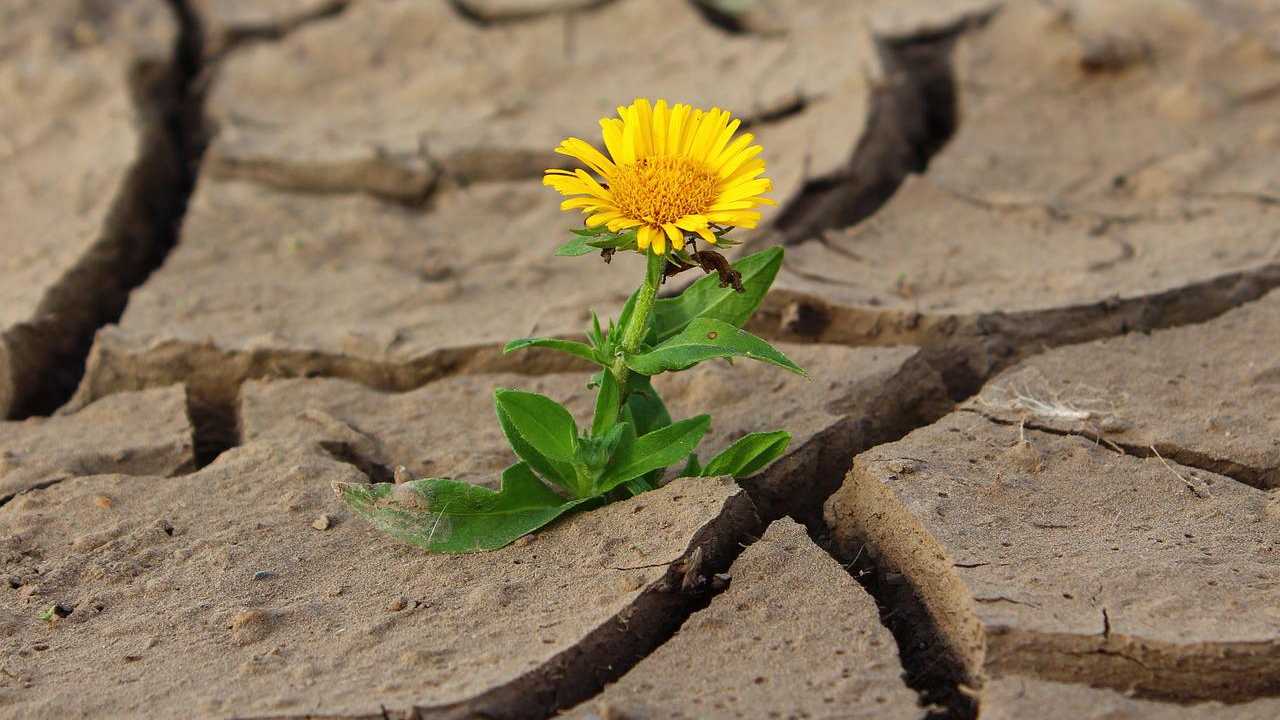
(633, 334)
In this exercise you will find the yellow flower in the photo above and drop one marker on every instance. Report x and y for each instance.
(671, 170)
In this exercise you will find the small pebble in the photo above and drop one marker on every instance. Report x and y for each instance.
(402, 475)
(102, 501)
(263, 575)
(321, 523)
(397, 604)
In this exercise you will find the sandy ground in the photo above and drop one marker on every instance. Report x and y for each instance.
(254, 248)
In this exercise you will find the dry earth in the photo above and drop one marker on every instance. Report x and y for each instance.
(253, 248)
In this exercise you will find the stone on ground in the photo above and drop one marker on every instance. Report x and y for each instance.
(793, 636)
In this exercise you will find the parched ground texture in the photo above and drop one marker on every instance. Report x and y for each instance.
(1033, 267)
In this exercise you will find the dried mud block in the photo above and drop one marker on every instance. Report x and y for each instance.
(213, 594)
(142, 433)
(269, 283)
(86, 190)
(793, 636)
(1216, 411)
(1014, 698)
(225, 23)
(448, 428)
(1070, 203)
(1060, 558)
(360, 114)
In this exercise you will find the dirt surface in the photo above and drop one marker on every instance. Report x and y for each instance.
(1041, 556)
(1039, 209)
(143, 433)
(793, 636)
(1157, 394)
(325, 217)
(84, 140)
(213, 594)
(1014, 698)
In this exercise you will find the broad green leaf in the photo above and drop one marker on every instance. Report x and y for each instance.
(448, 516)
(645, 408)
(646, 411)
(560, 473)
(692, 468)
(542, 422)
(608, 402)
(577, 245)
(706, 299)
(638, 486)
(748, 455)
(705, 339)
(571, 347)
(653, 451)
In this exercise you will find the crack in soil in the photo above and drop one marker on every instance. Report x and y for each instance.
(234, 37)
(48, 359)
(1260, 478)
(913, 114)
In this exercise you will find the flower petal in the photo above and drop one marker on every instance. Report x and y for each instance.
(675, 234)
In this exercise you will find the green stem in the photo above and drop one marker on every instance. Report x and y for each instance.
(633, 334)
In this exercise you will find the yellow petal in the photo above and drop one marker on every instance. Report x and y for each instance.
(746, 190)
(707, 133)
(690, 130)
(659, 242)
(739, 144)
(645, 236)
(642, 112)
(707, 235)
(660, 125)
(611, 130)
(675, 134)
(677, 237)
(587, 153)
(692, 222)
(732, 166)
(623, 223)
(718, 146)
(602, 218)
(594, 187)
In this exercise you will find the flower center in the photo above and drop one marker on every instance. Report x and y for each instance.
(660, 190)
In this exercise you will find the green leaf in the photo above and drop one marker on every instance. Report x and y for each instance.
(705, 339)
(571, 347)
(748, 455)
(448, 516)
(706, 299)
(542, 422)
(608, 402)
(692, 468)
(638, 486)
(589, 232)
(560, 473)
(645, 408)
(620, 241)
(576, 246)
(656, 450)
